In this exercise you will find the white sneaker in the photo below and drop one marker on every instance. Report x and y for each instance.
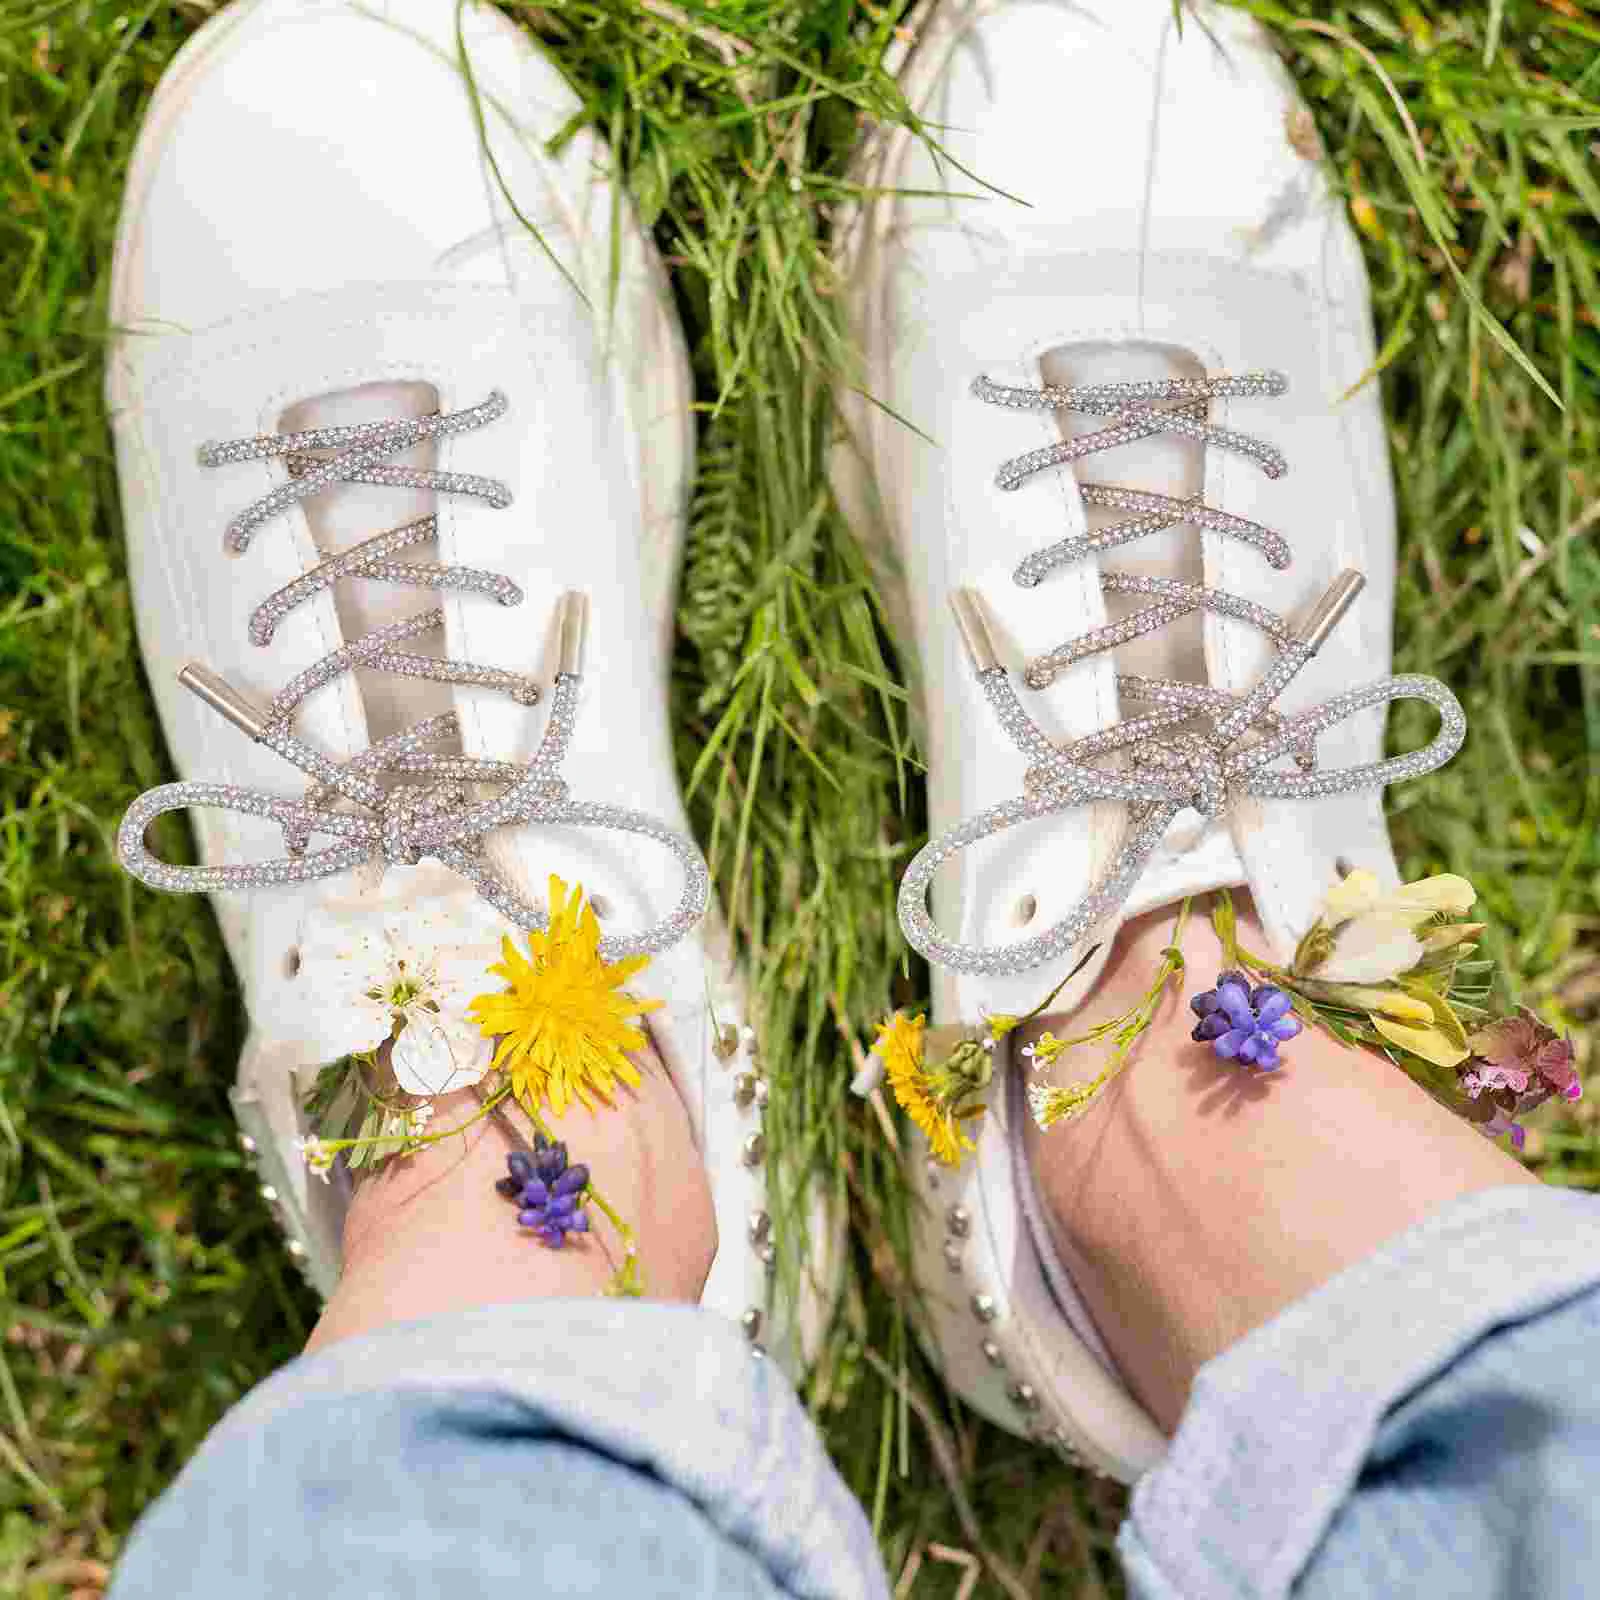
(1178, 229)
(312, 240)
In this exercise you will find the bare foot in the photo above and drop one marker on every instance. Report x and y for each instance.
(429, 1234)
(1196, 1200)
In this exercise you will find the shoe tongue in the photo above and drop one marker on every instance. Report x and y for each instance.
(1195, 854)
(1163, 463)
(349, 513)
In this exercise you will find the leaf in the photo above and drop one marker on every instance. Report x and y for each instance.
(1338, 1029)
(361, 1155)
(1444, 1018)
(1430, 1043)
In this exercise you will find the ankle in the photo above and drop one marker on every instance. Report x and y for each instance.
(429, 1234)
(1195, 1200)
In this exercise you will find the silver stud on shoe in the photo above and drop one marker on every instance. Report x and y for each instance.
(992, 1353)
(754, 1150)
(1023, 1396)
(744, 1090)
(760, 1228)
(952, 1254)
(984, 1308)
(726, 1045)
(751, 1323)
(959, 1220)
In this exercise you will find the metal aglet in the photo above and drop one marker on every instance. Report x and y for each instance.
(572, 633)
(1336, 600)
(223, 698)
(972, 618)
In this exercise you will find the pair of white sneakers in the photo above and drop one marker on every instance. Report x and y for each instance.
(313, 239)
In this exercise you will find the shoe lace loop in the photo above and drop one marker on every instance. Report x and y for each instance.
(1200, 747)
(427, 806)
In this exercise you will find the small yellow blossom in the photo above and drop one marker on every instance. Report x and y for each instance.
(1044, 1050)
(564, 1023)
(900, 1045)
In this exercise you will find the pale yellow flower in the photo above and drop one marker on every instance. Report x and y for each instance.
(1376, 930)
(1446, 894)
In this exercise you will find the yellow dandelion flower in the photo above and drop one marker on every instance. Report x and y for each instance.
(564, 1022)
(900, 1044)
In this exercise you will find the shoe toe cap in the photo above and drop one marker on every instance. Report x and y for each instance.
(1105, 118)
(303, 146)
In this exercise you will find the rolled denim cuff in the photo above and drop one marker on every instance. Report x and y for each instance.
(669, 1390)
(1278, 1427)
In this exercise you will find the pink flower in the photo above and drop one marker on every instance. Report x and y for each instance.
(1555, 1066)
(1517, 1063)
(1483, 1076)
(1523, 1055)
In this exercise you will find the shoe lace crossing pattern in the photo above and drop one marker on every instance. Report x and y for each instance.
(1199, 747)
(410, 799)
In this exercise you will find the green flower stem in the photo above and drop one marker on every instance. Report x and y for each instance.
(1051, 1106)
(628, 1280)
(419, 1140)
(1000, 1026)
(1234, 954)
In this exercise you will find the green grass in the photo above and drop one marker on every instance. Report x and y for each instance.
(142, 1287)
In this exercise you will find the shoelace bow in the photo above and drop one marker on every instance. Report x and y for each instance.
(427, 808)
(1200, 747)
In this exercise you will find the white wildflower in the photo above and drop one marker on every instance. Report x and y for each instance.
(436, 1054)
(317, 1154)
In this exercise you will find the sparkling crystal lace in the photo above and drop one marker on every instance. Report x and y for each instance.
(1199, 747)
(426, 806)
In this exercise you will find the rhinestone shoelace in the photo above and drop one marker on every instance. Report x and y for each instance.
(1200, 747)
(427, 808)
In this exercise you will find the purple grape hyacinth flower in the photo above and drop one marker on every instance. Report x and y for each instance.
(548, 1192)
(1244, 1024)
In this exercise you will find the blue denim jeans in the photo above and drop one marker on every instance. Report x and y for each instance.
(1426, 1423)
